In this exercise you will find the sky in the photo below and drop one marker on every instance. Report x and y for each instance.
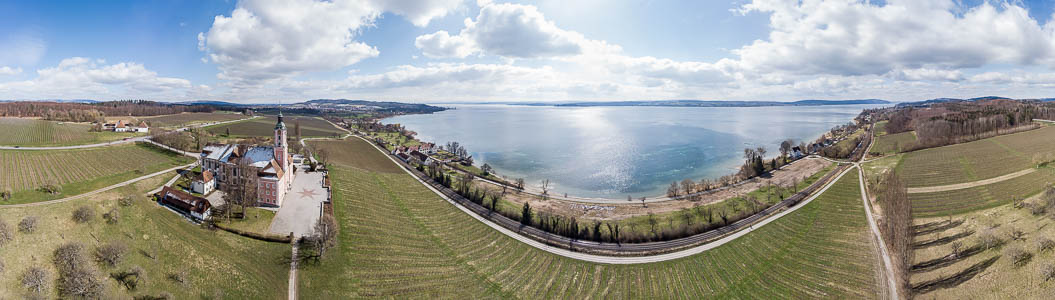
(443, 51)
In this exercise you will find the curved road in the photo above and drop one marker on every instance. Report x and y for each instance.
(746, 228)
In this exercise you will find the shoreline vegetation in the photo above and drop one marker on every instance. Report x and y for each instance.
(451, 170)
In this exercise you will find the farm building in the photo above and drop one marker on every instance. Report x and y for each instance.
(197, 208)
(273, 165)
(204, 183)
(122, 126)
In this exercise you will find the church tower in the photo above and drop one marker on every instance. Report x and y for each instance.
(280, 144)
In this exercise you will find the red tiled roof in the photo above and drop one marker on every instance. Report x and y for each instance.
(183, 201)
(206, 176)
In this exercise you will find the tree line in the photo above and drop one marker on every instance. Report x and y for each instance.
(92, 112)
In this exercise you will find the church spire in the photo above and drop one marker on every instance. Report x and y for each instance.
(280, 124)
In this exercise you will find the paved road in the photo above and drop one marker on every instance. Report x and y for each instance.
(744, 228)
(95, 192)
(118, 142)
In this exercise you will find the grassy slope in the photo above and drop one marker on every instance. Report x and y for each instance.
(265, 126)
(184, 119)
(80, 170)
(978, 160)
(217, 263)
(893, 143)
(40, 133)
(256, 220)
(398, 239)
(1003, 278)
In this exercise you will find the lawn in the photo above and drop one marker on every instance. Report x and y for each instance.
(217, 264)
(400, 240)
(893, 143)
(186, 119)
(256, 220)
(79, 170)
(41, 133)
(265, 126)
(978, 160)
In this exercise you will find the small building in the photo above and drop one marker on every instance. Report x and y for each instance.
(796, 152)
(197, 208)
(403, 156)
(204, 183)
(121, 126)
(419, 157)
(142, 127)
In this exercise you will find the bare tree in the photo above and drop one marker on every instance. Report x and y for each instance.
(28, 224)
(672, 190)
(520, 184)
(544, 185)
(111, 253)
(6, 234)
(688, 187)
(83, 214)
(487, 169)
(36, 279)
(785, 148)
(324, 236)
(241, 188)
(323, 156)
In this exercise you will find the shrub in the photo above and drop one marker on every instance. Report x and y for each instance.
(111, 253)
(179, 277)
(70, 256)
(956, 247)
(50, 189)
(6, 234)
(1044, 244)
(988, 239)
(83, 214)
(1047, 272)
(125, 201)
(1018, 256)
(35, 279)
(131, 278)
(28, 224)
(112, 216)
(81, 283)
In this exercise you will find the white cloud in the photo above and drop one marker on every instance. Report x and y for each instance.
(441, 44)
(79, 77)
(268, 39)
(508, 30)
(21, 47)
(860, 38)
(5, 70)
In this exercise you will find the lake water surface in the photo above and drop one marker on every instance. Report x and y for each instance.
(613, 152)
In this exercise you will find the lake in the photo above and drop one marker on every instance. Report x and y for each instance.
(613, 152)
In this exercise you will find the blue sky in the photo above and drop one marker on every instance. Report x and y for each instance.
(489, 50)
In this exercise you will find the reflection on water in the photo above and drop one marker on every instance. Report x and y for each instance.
(616, 151)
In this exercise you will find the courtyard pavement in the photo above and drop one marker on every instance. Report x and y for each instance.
(302, 206)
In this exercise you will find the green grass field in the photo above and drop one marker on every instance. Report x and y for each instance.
(880, 128)
(256, 220)
(218, 265)
(978, 160)
(893, 143)
(78, 170)
(41, 133)
(265, 126)
(981, 197)
(185, 119)
(399, 240)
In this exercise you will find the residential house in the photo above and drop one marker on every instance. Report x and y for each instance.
(204, 183)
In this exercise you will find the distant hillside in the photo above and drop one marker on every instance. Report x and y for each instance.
(703, 103)
(947, 100)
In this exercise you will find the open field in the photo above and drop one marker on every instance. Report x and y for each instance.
(265, 126)
(256, 220)
(398, 240)
(978, 160)
(186, 119)
(893, 143)
(39, 133)
(79, 170)
(979, 197)
(218, 265)
(880, 127)
(359, 154)
(1002, 277)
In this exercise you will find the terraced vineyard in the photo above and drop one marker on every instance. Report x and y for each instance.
(30, 132)
(981, 197)
(398, 239)
(80, 170)
(893, 143)
(265, 126)
(978, 160)
(185, 119)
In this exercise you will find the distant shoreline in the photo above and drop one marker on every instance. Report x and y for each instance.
(687, 103)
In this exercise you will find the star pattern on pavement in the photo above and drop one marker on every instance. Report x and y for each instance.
(307, 193)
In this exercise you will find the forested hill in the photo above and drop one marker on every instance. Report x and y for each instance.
(704, 103)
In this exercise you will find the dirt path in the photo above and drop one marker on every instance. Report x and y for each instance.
(960, 186)
(95, 192)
